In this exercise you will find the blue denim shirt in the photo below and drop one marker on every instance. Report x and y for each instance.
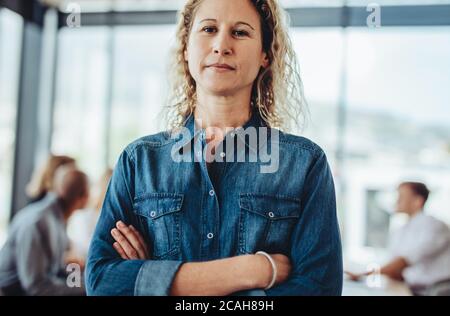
(242, 204)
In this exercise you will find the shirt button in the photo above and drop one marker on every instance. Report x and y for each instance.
(152, 214)
(271, 214)
(210, 235)
(222, 154)
(211, 192)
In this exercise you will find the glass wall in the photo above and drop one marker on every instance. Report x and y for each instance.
(398, 127)
(140, 83)
(11, 26)
(319, 53)
(81, 97)
(396, 121)
(95, 118)
(389, 84)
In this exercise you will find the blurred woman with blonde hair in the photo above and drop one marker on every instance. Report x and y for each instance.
(43, 177)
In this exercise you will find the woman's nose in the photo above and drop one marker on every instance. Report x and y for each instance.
(222, 45)
(222, 51)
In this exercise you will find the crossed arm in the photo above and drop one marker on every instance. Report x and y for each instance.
(314, 250)
(216, 277)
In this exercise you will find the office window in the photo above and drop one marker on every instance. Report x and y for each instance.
(397, 123)
(396, 109)
(83, 127)
(11, 26)
(396, 127)
(319, 53)
(81, 97)
(140, 83)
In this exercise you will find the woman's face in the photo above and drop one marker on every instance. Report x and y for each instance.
(225, 32)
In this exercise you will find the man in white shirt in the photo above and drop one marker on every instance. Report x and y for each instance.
(420, 250)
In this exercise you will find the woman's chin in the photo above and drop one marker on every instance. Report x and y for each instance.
(220, 90)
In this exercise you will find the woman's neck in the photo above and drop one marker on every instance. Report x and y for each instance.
(222, 111)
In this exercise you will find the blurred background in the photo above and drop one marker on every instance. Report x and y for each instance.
(379, 96)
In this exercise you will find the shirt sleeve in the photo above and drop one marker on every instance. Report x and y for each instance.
(430, 238)
(252, 292)
(106, 272)
(315, 249)
(34, 265)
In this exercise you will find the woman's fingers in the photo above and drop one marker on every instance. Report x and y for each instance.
(120, 250)
(133, 239)
(141, 239)
(125, 244)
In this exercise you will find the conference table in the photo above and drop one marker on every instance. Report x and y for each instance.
(381, 286)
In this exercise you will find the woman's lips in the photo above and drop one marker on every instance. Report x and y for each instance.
(220, 68)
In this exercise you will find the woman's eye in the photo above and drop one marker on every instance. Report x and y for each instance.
(240, 33)
(208, 29)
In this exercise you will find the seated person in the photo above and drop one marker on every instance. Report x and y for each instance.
(421, 249)
(42, 180)
(32, 259)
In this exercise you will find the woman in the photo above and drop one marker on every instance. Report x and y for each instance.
(43, 177)
(189, 227)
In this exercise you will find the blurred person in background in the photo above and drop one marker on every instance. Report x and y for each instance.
(420, 250)
(81, 225)
(33, 259)
(42, 180)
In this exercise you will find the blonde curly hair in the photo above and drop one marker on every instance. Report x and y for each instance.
(277, 91)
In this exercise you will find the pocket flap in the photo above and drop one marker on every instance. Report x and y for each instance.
(270, 206)
(154, 205)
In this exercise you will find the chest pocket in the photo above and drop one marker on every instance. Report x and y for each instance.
(161, 213)
(266, 222)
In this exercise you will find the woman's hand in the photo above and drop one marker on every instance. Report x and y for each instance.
(130, 245)
(129, 242)
(282, 263)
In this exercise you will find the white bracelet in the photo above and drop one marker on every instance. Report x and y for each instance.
(274, 268)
